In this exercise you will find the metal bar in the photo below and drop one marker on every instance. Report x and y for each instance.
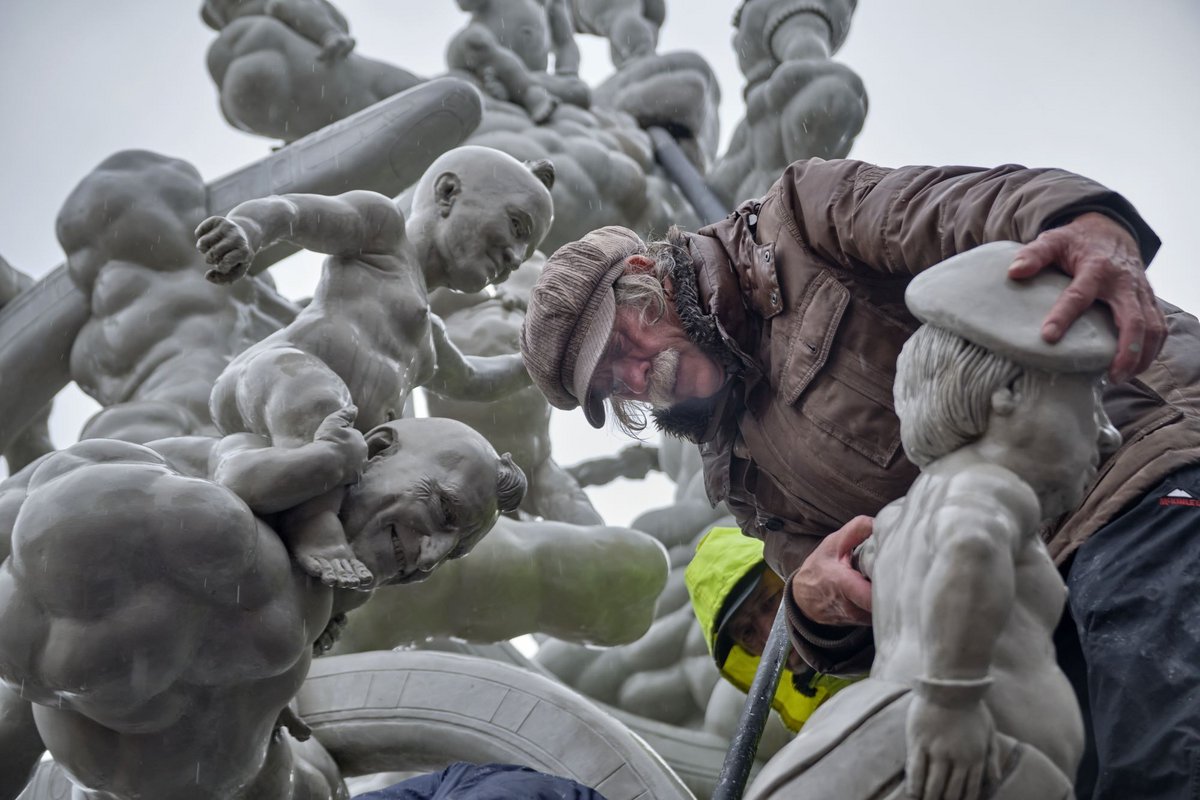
(735, 772)
(683, 173)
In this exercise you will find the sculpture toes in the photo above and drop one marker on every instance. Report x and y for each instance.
(365, 576)
(318, 567)
(346, 577)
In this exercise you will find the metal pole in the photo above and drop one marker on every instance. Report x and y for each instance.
(683, 173)
(735, 772)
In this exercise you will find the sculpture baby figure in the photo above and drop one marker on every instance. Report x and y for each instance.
(1008, 432)
(506, 46)
(315, 20)
(292, 403)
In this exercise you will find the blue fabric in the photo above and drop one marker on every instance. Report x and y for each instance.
(463, 781)
(1135, 655)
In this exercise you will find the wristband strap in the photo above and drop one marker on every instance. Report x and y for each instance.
(952, 692)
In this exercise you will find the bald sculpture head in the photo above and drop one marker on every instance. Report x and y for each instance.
(431, 489)
(477, 213)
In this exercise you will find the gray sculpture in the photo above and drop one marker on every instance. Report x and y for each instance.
(595, 585)
(799, 103)
(158, 334)
(350, 358)
(630, 26)
(284, 68)
(506, 48)
(965, 698)
(34, 440)
(131, 584)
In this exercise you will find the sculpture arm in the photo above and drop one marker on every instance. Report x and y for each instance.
(966, 600)
(633, 462)
(605, 597)
(273, 479)
(19, 741)
(315, 20)
(478, 378)
(348, 225)
(562, 35)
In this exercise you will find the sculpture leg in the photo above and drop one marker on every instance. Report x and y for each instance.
(477, 51)
(20, 743)
(1135, 598)
(555, 495)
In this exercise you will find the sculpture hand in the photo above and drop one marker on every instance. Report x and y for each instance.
(336, 46)
(1103, 259)
(827, 587)
(226, 248)
(952, 752)
(349, 446)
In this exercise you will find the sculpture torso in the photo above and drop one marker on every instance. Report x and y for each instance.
(977, 499)
(369, 323)
(520, 25)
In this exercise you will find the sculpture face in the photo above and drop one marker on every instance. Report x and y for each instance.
(492, 224)
(1060, 435)
(428, 494)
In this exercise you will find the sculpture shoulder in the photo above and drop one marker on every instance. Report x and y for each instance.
(988, 498)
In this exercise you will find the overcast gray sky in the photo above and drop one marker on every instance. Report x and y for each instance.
(1107, 88)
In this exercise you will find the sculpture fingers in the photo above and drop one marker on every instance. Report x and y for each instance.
(918, 763)
(974, 786)
(935, 779)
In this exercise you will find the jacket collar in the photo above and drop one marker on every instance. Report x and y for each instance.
(708, 299)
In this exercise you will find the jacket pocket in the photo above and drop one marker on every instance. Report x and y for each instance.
(802, 347)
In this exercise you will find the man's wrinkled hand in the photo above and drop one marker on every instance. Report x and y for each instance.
(827, 587)
(1102, 258)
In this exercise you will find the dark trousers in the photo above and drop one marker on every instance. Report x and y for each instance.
(462, 781)
(1130, 645)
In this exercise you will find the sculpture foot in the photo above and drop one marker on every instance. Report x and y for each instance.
(336, 567)
(540, 104)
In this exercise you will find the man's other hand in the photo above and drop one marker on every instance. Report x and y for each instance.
(827, 587)
(1102, 258)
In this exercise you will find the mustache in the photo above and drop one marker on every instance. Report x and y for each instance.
(660, 381)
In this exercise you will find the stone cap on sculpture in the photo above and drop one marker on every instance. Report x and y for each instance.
(971, 295)
(571, 313)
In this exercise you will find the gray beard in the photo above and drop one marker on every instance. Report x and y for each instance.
(664, 372)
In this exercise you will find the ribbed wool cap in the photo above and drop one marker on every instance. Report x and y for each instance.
(570, 317)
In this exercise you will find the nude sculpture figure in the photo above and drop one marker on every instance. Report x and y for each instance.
(354, 354)
(965, 697)
(34, 440)
(631, 26)
(506, 47)
(158, 334)
(159, 627)
(284, 68)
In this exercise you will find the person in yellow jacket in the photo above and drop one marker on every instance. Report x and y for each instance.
(735, 596)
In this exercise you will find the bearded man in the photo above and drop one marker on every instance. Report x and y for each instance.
(770, 340)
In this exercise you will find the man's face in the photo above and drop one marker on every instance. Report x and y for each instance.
(751, 623)
(654, 362)
(431, 499)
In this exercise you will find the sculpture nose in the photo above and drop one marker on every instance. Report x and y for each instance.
(434, 550)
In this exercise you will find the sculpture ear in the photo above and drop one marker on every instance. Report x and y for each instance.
(380, 441)
(543, 170)
(1004, 400)
(446, 187)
